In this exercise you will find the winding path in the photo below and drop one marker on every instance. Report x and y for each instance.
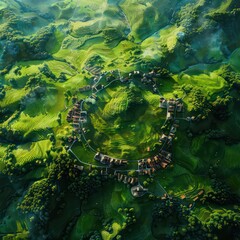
(94, 86)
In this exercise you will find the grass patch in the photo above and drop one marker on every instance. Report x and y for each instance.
(31, 152)
(122, 127)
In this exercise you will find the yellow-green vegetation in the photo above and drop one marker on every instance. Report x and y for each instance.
(210, 83)
(12, 98)
(34, 152)
(27, 124)
(161, 41)
(126, 121)
(3, 5)
(52, 55)
(151, 17)
(108, 236)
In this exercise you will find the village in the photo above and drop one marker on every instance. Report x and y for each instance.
(104, 159)
(144, 167)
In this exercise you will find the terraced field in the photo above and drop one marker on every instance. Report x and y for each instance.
(54, 54)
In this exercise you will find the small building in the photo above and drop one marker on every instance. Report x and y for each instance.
(196, 198)
(183, 197)
(120, 177)
(163, 138)
(179, 107)
(98, 157)
(171, 109)
(85, 89)
(138, 191)
(173, 129)
(163, 103)
(201, 192)
(125, 179)
(169, 116)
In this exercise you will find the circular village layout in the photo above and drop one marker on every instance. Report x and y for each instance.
(113, 105)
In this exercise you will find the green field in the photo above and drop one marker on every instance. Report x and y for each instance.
(122, 129)
(35, 152)
(51, 50)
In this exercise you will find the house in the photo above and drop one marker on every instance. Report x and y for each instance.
(75, 118)
(169, 116)
(137, 73)
(163, 165)
(138, 191)
(173, 129)
(179, 107)
(85, 89)
(169, 140)
(183, 197)
(80, 168)
(121, 177)
(125, 179)
(171, 109)
(166, 154)
(201, 192)
(98, 156)
(153, 170)
(124, 162)
(163, 103)
(106, 160)
(163, 138)
(196, 198)
(83, 114)
(151, 74)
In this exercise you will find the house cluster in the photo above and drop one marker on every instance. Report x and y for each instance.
(146, 166)
(146, 78)
(163, 158)
(150, 165)
(85, 88)
(167, 140)
(125, 178)
(106, 160)
(112, 75)
(76, 116)
(72, 139)
(95, 70)
(172, 105)
(199, 194)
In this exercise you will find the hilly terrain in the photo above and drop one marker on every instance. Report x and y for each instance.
(83, 78)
